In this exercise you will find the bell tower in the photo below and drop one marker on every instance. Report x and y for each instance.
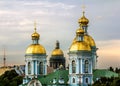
(35, 59)
(81, 56)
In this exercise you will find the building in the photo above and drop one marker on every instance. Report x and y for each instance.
(82, 61)
(57, 58)
(35, 59)
(81, 57)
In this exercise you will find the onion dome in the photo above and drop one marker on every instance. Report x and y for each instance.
(88, 39)
(83, 20)
(35, 49)
(57, 50)
(35, 35)
(79, 31)
(80, 46)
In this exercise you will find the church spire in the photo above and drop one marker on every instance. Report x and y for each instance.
(83, 8)
(83, 21)
(35, 35)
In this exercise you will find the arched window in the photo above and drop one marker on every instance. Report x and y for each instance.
(73, 67)
(41, 67)
(73, 80)
(29, 68)
(86, 66)
(86, 80)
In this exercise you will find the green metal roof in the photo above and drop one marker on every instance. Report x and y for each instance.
(48, 79)
(55, 75)
(103, 73)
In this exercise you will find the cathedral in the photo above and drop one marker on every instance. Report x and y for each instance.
(57, 58)
(82, 61)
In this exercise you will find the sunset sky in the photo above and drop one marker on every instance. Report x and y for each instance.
(58, 20)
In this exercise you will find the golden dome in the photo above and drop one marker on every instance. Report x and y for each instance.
(74, 40)
(79, 46)
(35, 49)
(80, 31)
(57, 52)
(89, 40)
(83, 20)
(35, 35)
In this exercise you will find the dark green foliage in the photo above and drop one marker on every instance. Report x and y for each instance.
(117, 70)
(14, 83)
(107, 82)
(111, 69)
(10, 78)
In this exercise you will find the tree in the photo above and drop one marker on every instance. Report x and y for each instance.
(10, 78)
(111, 69)
(14, 83)
(116, 70)
(107, 82)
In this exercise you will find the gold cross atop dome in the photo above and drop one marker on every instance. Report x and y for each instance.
(83, 8)
(35, 35)
(83, 20)
(35, 26)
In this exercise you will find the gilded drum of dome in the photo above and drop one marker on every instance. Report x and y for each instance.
(78, 46)
(57, 52)
(35, 49)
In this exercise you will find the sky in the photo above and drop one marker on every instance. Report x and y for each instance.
(58, 20)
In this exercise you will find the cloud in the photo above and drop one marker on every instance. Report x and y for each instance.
(25, 22)
(99, 18)
(47, 4)
(4, 12)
